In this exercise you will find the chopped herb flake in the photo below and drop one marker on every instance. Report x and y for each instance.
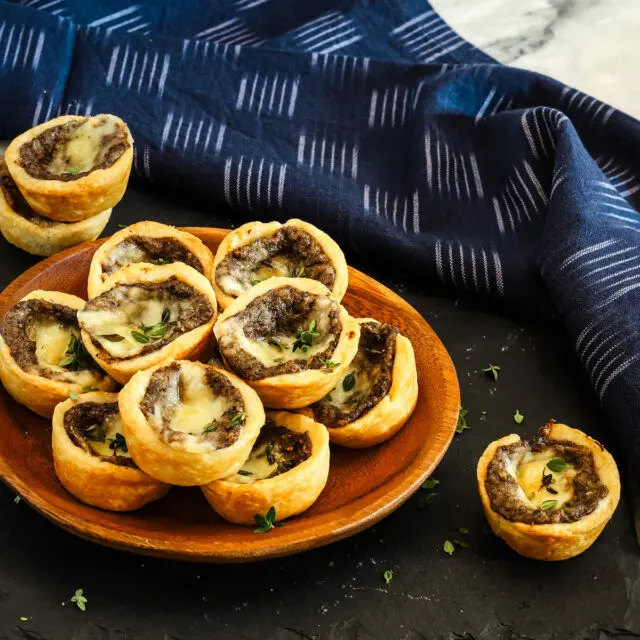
(430, 483)
(242, 472)
(548, 504)
(17, 500)
(80, 600)
(388, 576)
(349, 381)
(448, 547)
(73, 395)
(518, 417)
(557, 464)
(330, 364)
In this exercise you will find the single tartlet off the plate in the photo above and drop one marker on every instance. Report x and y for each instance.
(550, 498)
(42, 358)
(149, 242)
(288, 339)
(189, 423)
(287, 469)
(72, 167)
(40, 236)
(260, 250)
(91, 456)
(377, 393)
(146, 315)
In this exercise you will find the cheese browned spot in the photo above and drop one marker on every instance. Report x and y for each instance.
(96, 427)
(259, 341)
(276, 451)
(289, 251)
(366, 381)
(38, 333)
(192, 404)
(523, 486)
(73, 150)
(117, 318)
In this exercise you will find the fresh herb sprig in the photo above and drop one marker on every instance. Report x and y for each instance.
(305, 337)
(493, 370)
(151, 333)
(267, 522)
(76, 356)
(118, 443)
(462, 420)
(329, 363)
(388, 576)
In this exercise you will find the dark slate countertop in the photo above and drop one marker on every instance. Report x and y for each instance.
(485, 591)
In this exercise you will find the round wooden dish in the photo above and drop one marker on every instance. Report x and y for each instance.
(364, 486)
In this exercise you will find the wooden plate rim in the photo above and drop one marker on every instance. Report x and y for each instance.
(364, 511)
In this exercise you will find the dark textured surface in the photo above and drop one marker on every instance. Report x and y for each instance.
(483, 592)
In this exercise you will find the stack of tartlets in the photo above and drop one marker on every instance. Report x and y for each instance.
(242, 403)
(60, 180)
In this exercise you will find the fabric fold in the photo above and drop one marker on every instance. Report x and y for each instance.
(378, 123)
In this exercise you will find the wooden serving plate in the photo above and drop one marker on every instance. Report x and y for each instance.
(363, 487)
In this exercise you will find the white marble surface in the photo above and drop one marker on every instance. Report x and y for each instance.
(593, 45)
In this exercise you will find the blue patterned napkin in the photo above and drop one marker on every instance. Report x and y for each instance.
(377, 122)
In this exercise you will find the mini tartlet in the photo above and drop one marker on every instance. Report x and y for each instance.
(188, 423)
(550, 498)
(147, 242)
(288, 339)
(260, 250)
(72, 167)
(41, 355)
(377, 393)
(287, 469)
(40, 236)
(91, 457)
(146, 315)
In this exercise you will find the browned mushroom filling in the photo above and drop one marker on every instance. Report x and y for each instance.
(44, 340)
(544, 481)
(73, 150)
(366, 382)
(96, 427)
(276, 451)
(187, 402)
(153, 250)
(131, 320)
(15, 200)
(289, 251)
(282, 331)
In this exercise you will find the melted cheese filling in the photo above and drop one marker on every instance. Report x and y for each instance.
(269, 354)
(340, 398)
(528, 472)
(125, 253)
(256, 467)
(190, 404)
(52, 339)
(85, 148)
(113, 425)
(114, 328)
